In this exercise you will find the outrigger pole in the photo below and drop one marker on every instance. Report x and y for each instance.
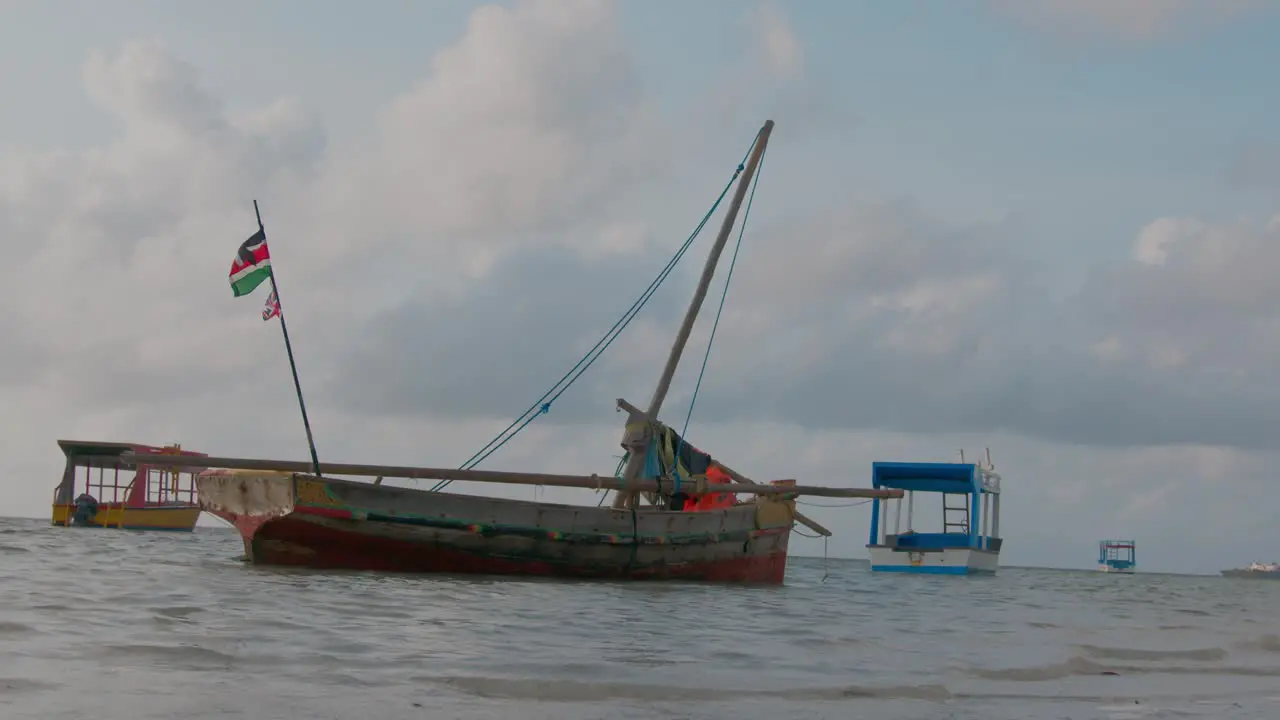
(590, 482)
(636, 461)
(288, 348)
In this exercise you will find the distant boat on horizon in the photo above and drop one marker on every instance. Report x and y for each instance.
(1118, 556)
(1257, 570)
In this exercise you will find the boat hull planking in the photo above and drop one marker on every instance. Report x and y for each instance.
(297, 520)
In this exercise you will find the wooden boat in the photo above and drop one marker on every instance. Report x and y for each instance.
(150, 495)
(288, 516)
(297, 513)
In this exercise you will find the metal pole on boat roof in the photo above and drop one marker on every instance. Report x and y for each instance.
(288, 349)
(636, 461)
(911, 506)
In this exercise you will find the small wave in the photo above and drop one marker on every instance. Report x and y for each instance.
(14, 628)
(180, 655)
(582, 691)
(1130, 711)
(20, 685)
(348, 680)
(1084, 666)
(13, 550)
(53, 607)
(1266, 643)
(734, 656)
(1199, 655)
(179, 612)
(1056, 671)
(827, 641)
(1043, 625)
(1269, 643)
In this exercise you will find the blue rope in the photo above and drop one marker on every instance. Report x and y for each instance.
(543, 405)
(616, 473)
(746, 214)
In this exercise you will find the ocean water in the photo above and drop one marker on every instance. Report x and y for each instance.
(116, 624)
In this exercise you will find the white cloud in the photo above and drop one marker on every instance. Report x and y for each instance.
(533, 117)
(1150, 247)
(776, 41)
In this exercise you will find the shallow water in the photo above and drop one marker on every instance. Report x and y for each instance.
(118, 624)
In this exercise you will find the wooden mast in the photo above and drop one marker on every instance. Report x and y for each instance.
(637, 445)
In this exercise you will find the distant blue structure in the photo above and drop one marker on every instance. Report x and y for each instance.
(970, 538)
(1118, 556)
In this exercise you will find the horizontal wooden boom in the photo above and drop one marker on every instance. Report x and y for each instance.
(591, 482)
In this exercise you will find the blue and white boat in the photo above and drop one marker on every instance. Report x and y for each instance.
(1118, 556)
(970, 538)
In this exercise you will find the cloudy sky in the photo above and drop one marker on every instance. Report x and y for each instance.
(1049, 227)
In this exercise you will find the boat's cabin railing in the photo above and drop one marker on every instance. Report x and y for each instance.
(118, 483)
(1118, 554)
(970, 505)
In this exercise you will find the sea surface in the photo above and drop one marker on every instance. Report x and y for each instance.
(108, 624)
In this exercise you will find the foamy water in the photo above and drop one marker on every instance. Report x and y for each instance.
(110, 624)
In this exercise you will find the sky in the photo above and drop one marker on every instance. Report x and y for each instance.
(1050, 228)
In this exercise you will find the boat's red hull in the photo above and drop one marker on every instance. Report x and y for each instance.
(327, 547)
(718, 546)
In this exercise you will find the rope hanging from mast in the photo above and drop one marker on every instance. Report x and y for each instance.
(542, 405)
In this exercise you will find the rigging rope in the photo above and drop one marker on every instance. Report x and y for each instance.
(616, 473)
(733, 261)
(543, 404)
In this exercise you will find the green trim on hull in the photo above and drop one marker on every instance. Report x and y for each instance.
(489, 530)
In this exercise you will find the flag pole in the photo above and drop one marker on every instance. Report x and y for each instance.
(288, 348)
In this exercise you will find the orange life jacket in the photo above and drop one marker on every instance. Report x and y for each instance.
(715, 501)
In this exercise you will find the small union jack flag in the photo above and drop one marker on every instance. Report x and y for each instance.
(272, 308)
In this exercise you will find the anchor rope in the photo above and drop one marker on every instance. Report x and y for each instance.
(543, 404)
(825, 554)
(733, 261)
(617, 473)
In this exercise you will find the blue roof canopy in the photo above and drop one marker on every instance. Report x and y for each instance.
(924, 477)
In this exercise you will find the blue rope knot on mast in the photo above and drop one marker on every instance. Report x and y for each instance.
(543, 405)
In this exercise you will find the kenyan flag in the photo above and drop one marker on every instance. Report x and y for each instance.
(251, 266)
